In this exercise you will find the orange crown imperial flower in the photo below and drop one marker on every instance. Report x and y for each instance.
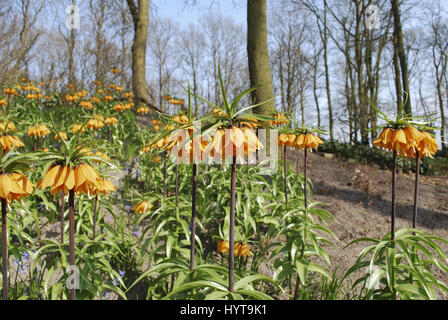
(403, 141)
(142, 207)
(103, 186)
(14, 186)
(8, 142)
(111, 121)
(60, 135)
(223, 246)
(81, 179)
(40, 130)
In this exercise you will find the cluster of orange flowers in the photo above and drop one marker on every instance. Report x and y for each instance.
(28, 88)
(60, 135)
(10, 91)
(122, 107)
(40, 130)
(82, 179)
(242, 141)
(114, 70)
(3, 103)
(77, 127)
(177, 101)
(95, 100)
(96, 123)
(181, 118)
(34, 96)
(111, 121)
(407, 141)
(115, 87)
(143, 110)
(240, 250)
(86, 104)
(279, 120)
(301, 141)
(8, 142)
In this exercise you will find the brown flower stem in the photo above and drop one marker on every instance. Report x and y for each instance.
(305, 177)
(285, 174)
(4, 251)
(193, 216)
(164, 174)
(95, 207)
(232, 225)
(177, 183)
(71, 208)
(417, 181)
(394, 180)
(62, 217)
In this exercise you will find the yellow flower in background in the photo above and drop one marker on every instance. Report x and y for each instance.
(95, 100)
(223, 246)
(142, 207)
(40, 130)
(114, 70)
(8, 142)
(108, 98)
(86, 104)
(3, 103)
(76, 127)
(242, 250)
(143, 110)
(308, 141)
(9, 125)
(111, 121)
(156, 159)
(95, 124)
(60, 135)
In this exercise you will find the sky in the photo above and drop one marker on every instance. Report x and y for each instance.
(185, 14)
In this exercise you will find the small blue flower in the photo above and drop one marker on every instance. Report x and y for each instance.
(41, 207)
(121, 273)
(107, 295)
(127, 207)
(136, 233)
(56, 145)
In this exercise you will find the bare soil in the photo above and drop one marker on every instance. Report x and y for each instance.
(359, 197)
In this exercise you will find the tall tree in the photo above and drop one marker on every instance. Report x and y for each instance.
(258, 56)
(140, 16)
(401, 55)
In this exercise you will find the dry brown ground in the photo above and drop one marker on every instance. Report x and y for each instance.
(359, 197)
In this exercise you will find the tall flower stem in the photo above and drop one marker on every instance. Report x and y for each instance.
(232, 225)
(417, 181)
(62, 217)
(71, 208)
(305, 177)
(95, 207)
(285, 174)
(193, 216)
(164, 174)
(394, 181)
(177, 183)
(4, 252)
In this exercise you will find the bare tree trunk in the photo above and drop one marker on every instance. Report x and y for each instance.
(258, 56)
(399, 47)
(140, 17)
